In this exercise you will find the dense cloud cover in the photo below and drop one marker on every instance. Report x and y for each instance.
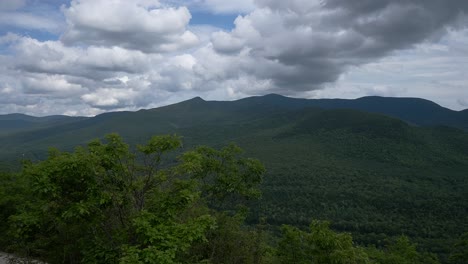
(118, 54)
(300, 45)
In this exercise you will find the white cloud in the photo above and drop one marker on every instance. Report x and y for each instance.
(137, 25)
(127, 55)
(115, 59)
(56, 86)
(226, 43)
(109, 98)
(52, 57)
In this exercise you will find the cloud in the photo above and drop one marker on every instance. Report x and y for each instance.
(8, 38)
(53, 57)
(302, 45)
(226, 43)
(56, 86)
(463, 102)
(434, 71)
(101, 78)
(136, 25)
(127, 55)
(110, 98)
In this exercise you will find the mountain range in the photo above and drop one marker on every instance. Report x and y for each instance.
(415, 111)
(24, 131)
(376, 167)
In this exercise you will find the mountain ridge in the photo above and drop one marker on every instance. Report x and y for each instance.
(351, 166)
(197, 112)
(201, 100)
(414, 111)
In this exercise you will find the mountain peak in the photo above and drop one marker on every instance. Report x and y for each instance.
(274, 95)
(197, 98)
(195, 101)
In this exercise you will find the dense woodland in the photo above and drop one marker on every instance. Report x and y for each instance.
(107, 204)
(339, 186)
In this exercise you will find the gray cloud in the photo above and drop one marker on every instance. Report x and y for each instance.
(463, 102)
(397, 24)
(305, 44)
(52, 57)
(126, 55)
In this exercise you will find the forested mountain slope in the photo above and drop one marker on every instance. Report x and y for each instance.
(412, 110)
(14, 123)
(372, 175)
(31, 135)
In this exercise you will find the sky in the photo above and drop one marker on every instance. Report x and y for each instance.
(86, 57)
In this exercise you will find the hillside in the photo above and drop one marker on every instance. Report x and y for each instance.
(412, 110)
(14, 123)
(372, 175)
(21, 134)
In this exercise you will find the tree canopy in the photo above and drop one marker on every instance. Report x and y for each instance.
(108, 202)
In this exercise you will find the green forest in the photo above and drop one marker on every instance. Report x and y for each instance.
(324, 186)
(234, 132)
(112, 203)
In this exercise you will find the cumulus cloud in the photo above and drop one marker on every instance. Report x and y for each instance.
(137, 25)
(126, 55)
(226, 43)
(433, 71)
(110, 98)
(50, 85)
(101, 78)
(53, 57)
(301, 45)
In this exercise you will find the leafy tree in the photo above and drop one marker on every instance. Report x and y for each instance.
(460, 251)
(319, 245)
(12, 195)
(401, 251)
(228, 181)
(107, 204)
(231, 242)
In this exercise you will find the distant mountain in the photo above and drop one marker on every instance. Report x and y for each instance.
(13, 123)
(22, 133)
(354, 162)
(412, 110)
